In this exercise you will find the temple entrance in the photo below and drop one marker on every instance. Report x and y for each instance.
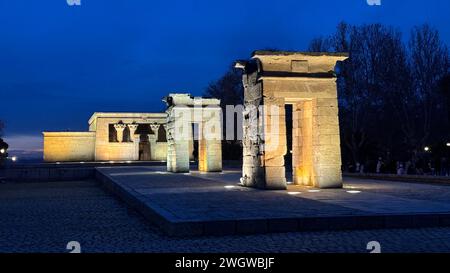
(302, 143)
(289, 136)
(144, 148)
(195, 147)
(299, 127)
(144, 132)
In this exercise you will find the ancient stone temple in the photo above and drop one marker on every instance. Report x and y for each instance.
(186, 114)
(304, 84)
(111, 136)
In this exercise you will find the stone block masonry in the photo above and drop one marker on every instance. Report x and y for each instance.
(273, 79)
(183, 111)
(111, 137)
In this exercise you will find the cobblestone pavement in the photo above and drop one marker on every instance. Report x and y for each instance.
(44, 217)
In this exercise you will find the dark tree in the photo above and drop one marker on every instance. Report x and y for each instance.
(319, 45)
(444, 87)
(394, 98)
(229, 90)
(362, 86)
(429, 62)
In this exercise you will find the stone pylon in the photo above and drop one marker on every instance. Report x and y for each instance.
(183, 111)
(273, 79)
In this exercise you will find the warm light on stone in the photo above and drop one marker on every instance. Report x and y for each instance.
(307, 82)
(69, 146)
(96, 144)
(183, 111)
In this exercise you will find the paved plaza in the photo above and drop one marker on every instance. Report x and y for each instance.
(44, 217)
(214, 204)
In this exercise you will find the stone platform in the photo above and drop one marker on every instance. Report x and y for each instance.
(214, 204)
(63, 171)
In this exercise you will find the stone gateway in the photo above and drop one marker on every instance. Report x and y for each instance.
(306, 82)
(184, 111)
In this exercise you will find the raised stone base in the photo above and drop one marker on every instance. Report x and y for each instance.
(198, 204)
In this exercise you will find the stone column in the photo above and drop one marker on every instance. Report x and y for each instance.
(170, 149)
(302, 146)
(153, 139)
(155, 128)
(210, 141)
(179, 135)
(326, 151)
(181, 155)
(120, 127)
(275, 144)
(210, 156)
(252, 167)
(135, 138)
(133, 127)
(165, 129)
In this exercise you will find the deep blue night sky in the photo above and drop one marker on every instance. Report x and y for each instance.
(61, 63)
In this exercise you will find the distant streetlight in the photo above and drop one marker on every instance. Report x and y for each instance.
(427, 149)
(14, 158)
(2, 151)
(448, 144)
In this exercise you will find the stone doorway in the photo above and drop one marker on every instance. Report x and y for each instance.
(144, 148)
(195, 148)
(288, 108)
(144, 134)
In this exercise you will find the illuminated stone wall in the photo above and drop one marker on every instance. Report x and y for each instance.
(160, 153)
(307, 82)
(69, 146)
(106, 150)
(126, 150)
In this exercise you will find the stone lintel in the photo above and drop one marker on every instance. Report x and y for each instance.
(317, 64)
(186, 99)
(297, 53)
